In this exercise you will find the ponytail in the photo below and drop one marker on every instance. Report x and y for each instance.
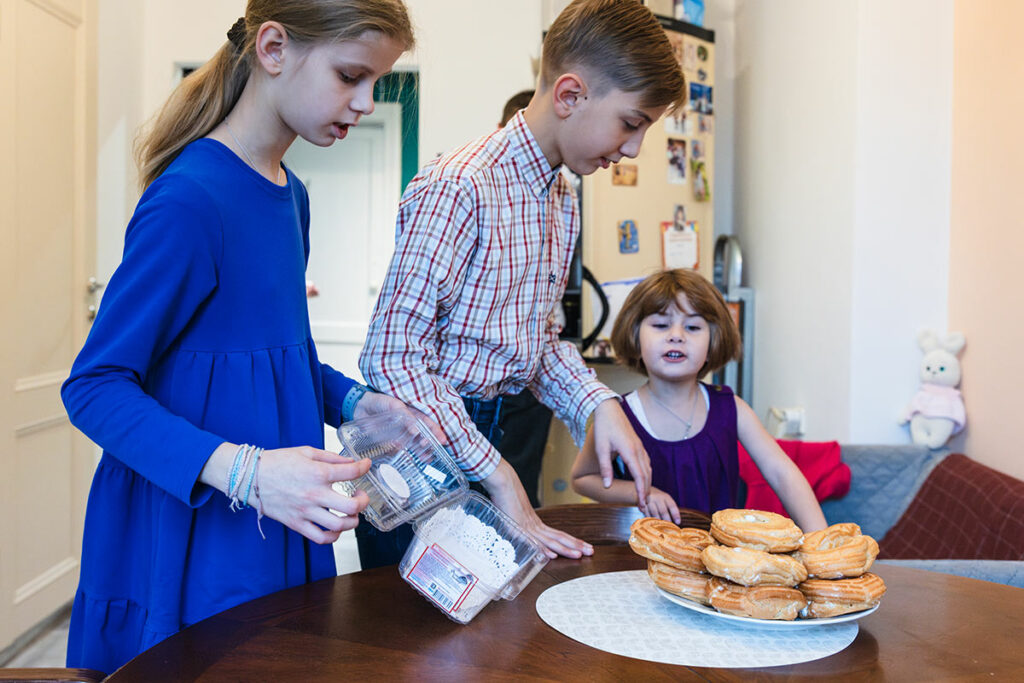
(198, 104)
(206, 96)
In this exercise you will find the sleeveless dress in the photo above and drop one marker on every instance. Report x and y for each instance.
(703, 471)
(202, 337)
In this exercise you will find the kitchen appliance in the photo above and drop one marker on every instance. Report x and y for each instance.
(728, 277)
(668, 185)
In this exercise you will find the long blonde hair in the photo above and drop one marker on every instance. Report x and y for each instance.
(204, 97)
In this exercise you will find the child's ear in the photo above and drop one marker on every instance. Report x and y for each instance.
(568, 92)
(271, 41)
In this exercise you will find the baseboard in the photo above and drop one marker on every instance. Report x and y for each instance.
(30, 636)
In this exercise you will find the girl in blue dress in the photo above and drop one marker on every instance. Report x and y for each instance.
(674, 328)
(200, 379)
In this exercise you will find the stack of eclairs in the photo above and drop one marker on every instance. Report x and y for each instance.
(761, 565)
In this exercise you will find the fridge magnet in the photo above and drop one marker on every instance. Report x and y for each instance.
(624, 174)
(679, 123)
(676, 41)
(689, 56)
(628, 242)
(700, 98)
(679, 217)
(679, 247)
(676, 154)
(705, 124)
(697, 149)
(701, 188)
(691, 11)
(702, 75)
(702, 53)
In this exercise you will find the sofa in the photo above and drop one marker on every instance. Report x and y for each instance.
(935, 510)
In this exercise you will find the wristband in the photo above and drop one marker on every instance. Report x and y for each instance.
(348, 406)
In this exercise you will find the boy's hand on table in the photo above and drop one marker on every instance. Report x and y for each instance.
(508, 495)
(614, 435)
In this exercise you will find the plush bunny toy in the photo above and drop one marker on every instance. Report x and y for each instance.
(937, 410)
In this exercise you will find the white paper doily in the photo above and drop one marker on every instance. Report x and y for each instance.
(622, 613)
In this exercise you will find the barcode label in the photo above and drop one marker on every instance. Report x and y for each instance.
(441, 578)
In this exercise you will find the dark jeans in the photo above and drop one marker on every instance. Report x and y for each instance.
(380, 548)
(525, 422)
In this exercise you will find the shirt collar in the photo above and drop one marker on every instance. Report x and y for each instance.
(530, 158)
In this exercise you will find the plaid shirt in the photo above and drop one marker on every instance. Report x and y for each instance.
(485, 237)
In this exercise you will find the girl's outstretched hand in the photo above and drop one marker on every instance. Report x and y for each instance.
(373, 403)
(295, 488)
(662, 506)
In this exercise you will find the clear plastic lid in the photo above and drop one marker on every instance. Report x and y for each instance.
(411, 473)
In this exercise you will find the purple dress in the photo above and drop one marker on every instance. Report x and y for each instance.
(702, 472)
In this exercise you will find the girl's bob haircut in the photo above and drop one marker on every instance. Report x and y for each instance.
(656, 294)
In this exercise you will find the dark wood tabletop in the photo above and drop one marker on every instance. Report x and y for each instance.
(372, 625)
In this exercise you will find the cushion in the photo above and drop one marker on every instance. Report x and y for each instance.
(884, 479)
(819, 463)
(964, 510)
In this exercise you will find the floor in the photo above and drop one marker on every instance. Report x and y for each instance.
(49, 648)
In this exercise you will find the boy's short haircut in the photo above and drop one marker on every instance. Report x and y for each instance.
(621, 44)
(658, 292)
(514, 104)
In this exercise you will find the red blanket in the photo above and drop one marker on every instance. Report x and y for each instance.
(819, 462)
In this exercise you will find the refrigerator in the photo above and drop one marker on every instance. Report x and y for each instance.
(656, 210)
(639, 216)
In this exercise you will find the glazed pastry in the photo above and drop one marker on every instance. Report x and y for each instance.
(840, 551)
(755, 529)
(663, 541)
(830, 598)
(689, 585)
(759, 602)
(753, 567)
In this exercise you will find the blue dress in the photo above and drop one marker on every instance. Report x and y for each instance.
(203, 337)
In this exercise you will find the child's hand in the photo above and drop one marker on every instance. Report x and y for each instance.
(613, 435)
(508, 495)
(373, 403)
(662, 506)
(295, 486)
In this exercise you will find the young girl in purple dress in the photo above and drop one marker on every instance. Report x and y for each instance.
(674, 328)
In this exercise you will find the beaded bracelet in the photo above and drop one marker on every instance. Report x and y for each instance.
(245, 468)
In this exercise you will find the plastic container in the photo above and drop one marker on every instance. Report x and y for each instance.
(410, 474)
(465, 552)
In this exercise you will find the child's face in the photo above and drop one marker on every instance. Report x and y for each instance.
(603, 129)
(674, 343)
(328, 87)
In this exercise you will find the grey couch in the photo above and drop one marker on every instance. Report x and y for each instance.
(885, 480)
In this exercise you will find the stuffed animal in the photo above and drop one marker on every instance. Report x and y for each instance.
(937, 410)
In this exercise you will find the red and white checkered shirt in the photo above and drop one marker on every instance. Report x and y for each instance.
(485, 237)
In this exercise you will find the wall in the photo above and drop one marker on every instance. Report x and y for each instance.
(841, 196)
(986, 235)
(472, 56)
(795, 112)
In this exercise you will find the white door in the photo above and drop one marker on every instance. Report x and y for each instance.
(47, 77)
(354, 188)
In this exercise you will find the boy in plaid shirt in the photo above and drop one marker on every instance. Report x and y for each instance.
(485, 238)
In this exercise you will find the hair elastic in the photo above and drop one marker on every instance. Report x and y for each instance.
(236, 35)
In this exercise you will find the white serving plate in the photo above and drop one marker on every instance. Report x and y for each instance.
(764, 623)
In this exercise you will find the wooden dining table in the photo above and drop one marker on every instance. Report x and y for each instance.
(372, 625)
